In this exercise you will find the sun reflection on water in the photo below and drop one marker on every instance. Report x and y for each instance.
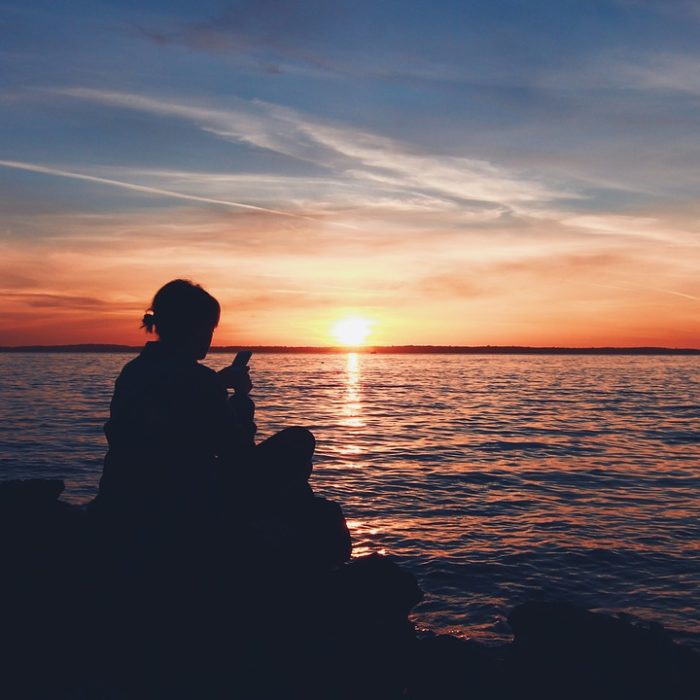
(365, 534)
(352, 405)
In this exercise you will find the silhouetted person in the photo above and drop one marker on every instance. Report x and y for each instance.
(175, 438)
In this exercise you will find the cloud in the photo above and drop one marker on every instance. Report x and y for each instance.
(663, 72)
(527, 270)
(347, 152)
(13, 279)
(692, 297)
(317, 198)
(459, 283)
(277, 36)
(54, 301)
(641, 227)
(686, 9)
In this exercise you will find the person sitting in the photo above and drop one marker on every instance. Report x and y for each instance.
(182, 454)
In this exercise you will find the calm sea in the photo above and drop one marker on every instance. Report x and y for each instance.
(493, 479)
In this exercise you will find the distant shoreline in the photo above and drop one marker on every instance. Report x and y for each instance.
(379, 350)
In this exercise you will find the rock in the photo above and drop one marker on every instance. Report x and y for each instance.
(365, 627)
(29, 494)
(209, 617)
(42, 557)
(448, 667)
(313, 534)
(561, 650)
(375, 585)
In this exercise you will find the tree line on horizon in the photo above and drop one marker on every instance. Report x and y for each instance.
(378, 349)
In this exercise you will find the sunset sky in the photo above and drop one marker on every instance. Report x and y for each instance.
(446, 172)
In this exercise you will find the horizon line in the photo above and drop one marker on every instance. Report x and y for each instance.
(376, 349)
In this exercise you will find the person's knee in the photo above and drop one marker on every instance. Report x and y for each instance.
(299, 445)
(302, 438)
(296, 441)
(288, 454)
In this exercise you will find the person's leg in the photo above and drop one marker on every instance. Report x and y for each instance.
(287, 456)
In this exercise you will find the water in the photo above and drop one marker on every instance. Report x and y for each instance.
(494, 479)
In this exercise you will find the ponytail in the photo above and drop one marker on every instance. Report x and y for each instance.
(148, 322)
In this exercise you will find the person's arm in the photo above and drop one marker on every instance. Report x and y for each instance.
(241, 408)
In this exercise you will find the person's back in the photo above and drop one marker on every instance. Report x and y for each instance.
(168, 414)
(167, 417)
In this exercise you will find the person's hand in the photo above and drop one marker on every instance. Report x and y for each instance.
(236, 378)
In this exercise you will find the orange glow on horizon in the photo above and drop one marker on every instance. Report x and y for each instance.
(97, 279)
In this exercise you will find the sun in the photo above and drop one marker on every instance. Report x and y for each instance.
(351, 331)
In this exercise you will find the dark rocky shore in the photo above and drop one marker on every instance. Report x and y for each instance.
(242, 616)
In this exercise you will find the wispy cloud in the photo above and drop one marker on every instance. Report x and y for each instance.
(641, 227)
(348, 152)
(52, 300)
(645, 289)
(673, 292)
(666, 72)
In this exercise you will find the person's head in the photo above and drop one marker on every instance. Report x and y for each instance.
(184, 316)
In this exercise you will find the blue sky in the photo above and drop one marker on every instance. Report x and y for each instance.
(527, 167)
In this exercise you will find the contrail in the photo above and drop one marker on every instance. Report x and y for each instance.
(678, 294)
(634, 287)
(18, 165)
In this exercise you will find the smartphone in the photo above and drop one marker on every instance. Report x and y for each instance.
(242, 358)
